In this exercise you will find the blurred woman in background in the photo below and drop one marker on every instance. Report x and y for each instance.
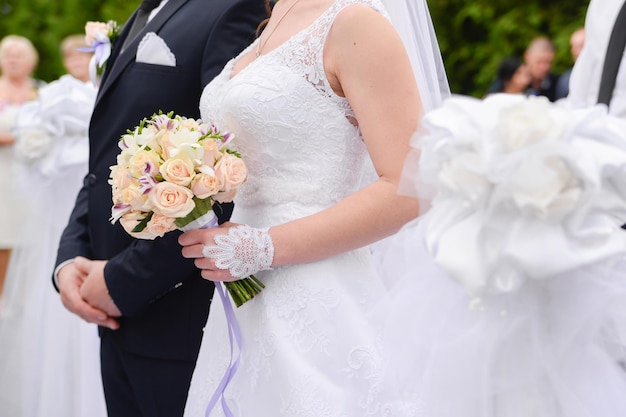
(18, 59)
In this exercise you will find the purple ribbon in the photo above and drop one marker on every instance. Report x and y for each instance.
(233, 332)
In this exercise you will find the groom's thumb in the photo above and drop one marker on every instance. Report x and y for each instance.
(82, 264)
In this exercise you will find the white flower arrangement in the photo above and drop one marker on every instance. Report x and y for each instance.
(526, 189)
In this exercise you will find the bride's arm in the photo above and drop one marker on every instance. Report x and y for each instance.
(366, 61)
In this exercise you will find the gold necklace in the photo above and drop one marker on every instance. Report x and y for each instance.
(262, 42)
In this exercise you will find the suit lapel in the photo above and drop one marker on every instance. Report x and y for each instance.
(126, 56)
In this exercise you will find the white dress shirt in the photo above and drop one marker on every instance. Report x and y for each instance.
(587, 72)
(156, 10)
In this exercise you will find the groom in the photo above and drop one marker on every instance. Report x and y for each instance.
(150, 302)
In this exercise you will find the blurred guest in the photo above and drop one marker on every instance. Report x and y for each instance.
(513, 77)
(18, 59)
(576, 41)
(538, 58)
(49, 365)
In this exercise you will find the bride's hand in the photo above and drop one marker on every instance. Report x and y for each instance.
(229, 252)
(194, 242)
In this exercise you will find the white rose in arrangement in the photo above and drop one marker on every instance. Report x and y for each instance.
(526, 123)
(544, 186)
(32, 143)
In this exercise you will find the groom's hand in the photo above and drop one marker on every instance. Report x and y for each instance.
(70, 279)
(94, 290)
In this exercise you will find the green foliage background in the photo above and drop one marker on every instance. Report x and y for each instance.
(474, 34)
(47, 22)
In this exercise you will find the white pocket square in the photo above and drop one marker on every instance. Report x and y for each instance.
(153, 50)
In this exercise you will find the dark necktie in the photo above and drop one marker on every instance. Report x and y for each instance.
(141, 18)
(614, 55)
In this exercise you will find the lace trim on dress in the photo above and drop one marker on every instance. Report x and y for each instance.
(306, 54)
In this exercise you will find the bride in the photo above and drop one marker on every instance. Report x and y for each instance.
(488, 312)
(325, 96)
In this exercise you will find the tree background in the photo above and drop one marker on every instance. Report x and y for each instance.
(474, 34)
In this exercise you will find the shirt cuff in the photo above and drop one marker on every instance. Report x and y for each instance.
(55, 275)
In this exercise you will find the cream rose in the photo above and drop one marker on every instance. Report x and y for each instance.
(143, 163)
(211, 152)
(130, 220)
(179, 170)
(231, 172)
(133, 197)
(120, 178)
(92, 29)
(205, 185)
(160, 225)
(190, 124)
(171, 200)
(225, 196)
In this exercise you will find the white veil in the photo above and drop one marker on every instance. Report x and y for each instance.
(412, 20)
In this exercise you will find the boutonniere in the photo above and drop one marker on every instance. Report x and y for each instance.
(100, 37)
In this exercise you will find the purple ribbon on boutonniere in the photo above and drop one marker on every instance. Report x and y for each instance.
(101, 49)
(234, 333)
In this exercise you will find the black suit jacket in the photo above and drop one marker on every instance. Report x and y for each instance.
(161, 295)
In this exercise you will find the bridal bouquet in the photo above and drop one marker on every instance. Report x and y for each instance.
(169, 173)
(526, 189)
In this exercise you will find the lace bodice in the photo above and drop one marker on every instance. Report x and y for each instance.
(302, 151)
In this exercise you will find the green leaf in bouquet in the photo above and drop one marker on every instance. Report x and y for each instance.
(201, 207)
(143, 223)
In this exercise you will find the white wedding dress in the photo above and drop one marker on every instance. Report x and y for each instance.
(308, 347)
(12, 207)
(49, 358)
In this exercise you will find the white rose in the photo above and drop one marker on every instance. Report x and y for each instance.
(525, 123)
(545, 186)
(461, 174)
(32, 143)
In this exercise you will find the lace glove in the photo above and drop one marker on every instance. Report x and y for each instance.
(243, 251)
